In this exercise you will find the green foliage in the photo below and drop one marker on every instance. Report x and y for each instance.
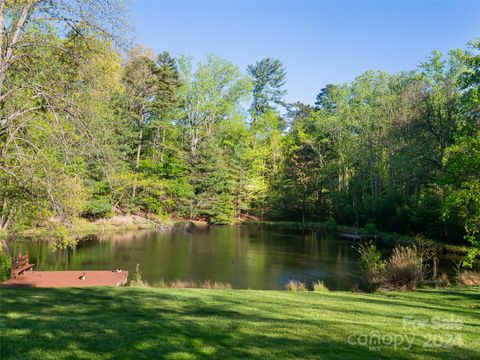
(425, 214)
(137, 280)
(169, 85)
(268, 77)
(463, 166)
(371, 265)
(98, 208)
(427, 249)
(406, 267)
(379, 148)
(223, 210)
(5, 265)
(370, 229)
(330, 224)
(83, 132)
(99, 205)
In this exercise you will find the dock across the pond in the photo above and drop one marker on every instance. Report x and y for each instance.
(357, 237)
(351, 236)
(77, 278)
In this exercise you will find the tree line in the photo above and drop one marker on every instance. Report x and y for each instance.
(90, 127)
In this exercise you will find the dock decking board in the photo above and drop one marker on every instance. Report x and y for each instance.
(68, 279)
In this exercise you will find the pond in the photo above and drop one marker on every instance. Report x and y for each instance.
(246, 256)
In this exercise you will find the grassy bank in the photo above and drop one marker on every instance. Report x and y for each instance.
(117, 223)
(109, 323)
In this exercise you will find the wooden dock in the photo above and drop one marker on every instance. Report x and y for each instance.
(357, 237)
(45, 279)
(351, 236)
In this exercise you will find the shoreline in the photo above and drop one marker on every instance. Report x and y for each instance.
(384, 236)
(134, 222)
(116, 223)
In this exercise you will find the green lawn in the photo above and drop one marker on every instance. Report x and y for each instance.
(109, 323)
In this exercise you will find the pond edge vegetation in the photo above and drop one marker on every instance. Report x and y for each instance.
(412, 263)
(94, 132)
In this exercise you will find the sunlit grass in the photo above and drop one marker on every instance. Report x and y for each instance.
(148, 323)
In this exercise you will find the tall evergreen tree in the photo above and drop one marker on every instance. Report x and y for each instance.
(268, 77)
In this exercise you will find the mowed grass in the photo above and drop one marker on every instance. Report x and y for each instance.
(130, 323)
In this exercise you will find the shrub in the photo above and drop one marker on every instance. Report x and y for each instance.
(137, 280)
(295, 285)
(320, 286)
(372, 266)
(330, 224)
(428, 252)
(442, 280)
(98, 208)
(5, 265)
(468, 277)
(370, 229)
(405, 267)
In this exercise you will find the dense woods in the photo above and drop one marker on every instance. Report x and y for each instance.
(90, 127)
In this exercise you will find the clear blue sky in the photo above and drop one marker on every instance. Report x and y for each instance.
(318, 42)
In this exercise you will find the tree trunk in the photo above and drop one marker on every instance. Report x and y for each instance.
(163, 146)
(5, 247)
(7, 54)
(137, 162)
(6, 214)
(354, 200)
(194, 143)
(5, 224)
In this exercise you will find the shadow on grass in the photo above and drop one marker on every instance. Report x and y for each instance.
(145, 324)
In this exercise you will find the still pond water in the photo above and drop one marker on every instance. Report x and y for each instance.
(246, 256)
